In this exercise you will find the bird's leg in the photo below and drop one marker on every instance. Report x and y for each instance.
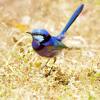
(45, 63)
(46, 75)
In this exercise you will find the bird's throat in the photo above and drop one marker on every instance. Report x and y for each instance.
(35, 44)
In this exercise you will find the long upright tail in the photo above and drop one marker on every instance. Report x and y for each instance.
(71, 20)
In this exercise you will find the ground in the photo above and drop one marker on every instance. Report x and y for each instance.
(74, 73)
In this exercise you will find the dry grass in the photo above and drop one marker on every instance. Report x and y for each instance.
(75, 73)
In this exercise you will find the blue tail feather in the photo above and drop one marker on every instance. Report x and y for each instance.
(71, 20)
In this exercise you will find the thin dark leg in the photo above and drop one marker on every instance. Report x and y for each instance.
(45, 63)
(46, 75)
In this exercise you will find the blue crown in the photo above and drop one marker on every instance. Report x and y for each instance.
(40, 31)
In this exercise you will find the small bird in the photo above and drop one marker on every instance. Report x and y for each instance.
(48, 46)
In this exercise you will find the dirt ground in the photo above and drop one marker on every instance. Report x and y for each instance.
(75, 72)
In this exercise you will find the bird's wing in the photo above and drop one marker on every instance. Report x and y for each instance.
(55, 43)
(59, 44)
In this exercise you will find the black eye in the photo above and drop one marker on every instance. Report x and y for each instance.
(42, 38)
(46, 38)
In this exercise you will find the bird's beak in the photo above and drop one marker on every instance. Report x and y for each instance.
(29, 33)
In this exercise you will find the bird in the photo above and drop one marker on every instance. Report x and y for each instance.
(49, 46)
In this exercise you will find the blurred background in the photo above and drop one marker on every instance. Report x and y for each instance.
(20, 77)
(26, 15)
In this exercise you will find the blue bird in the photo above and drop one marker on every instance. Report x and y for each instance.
(48, 46)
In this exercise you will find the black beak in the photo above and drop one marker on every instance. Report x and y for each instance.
(29, 33)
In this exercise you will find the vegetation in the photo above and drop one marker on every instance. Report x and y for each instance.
(73, 75)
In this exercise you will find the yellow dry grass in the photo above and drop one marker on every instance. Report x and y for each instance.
(75, 73)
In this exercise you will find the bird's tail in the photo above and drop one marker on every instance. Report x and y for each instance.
(71, 20)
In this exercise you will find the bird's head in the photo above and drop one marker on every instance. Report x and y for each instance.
(40, 34)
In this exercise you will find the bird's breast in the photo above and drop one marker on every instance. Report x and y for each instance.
(47, 51)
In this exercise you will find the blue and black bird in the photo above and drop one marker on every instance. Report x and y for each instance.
(45, 44)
